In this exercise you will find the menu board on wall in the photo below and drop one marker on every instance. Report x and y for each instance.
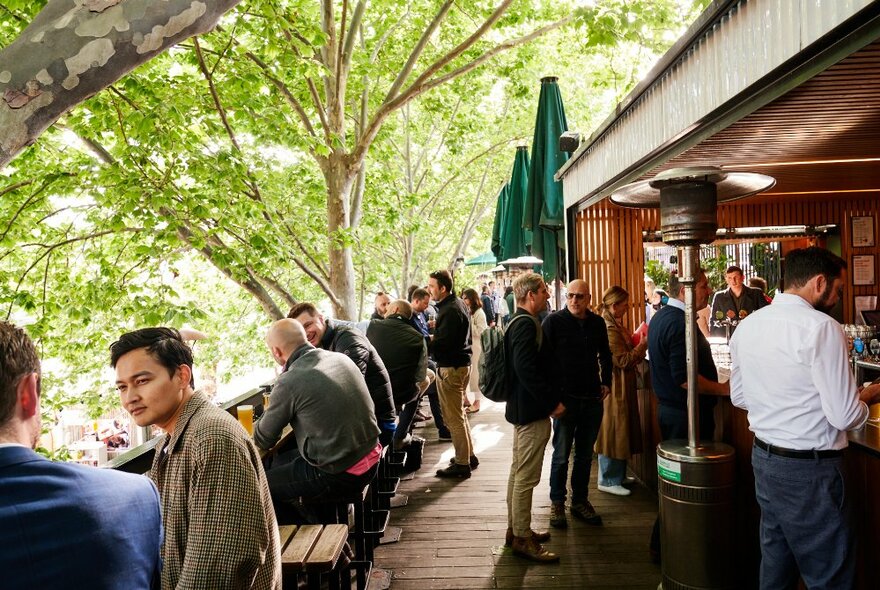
(863, 269)
(862, 232)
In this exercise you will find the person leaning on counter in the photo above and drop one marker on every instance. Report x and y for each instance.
(790, 371)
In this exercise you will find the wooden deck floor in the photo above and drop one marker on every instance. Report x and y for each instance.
(453, 531)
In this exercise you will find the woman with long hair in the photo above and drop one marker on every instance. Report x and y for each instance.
(620, 433)
(478, 325)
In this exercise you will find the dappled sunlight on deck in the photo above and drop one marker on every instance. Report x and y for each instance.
(453, 530)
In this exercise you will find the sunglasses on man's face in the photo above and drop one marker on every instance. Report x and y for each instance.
(575, 296)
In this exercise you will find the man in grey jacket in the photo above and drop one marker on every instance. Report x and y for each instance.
(350, 341)
(317, 388)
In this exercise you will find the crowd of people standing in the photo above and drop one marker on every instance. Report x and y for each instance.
(207, 515)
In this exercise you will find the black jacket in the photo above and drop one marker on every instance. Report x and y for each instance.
(581, 357)
(725, 305)
(488, 308)
(352, 343)
(451, 345)
(404, 352)
(531, 396)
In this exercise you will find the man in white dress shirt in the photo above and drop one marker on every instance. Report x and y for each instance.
(791, 373)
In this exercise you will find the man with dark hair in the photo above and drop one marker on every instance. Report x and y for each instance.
(220, 528)
(405, 354)
(451, 347)
(488, 306)
(532, 402)
(731, 306)
(668, 357)
(421, 300)
(577, 344)
(790, 371)
(667, 352)
(63, 525)
(323, 397)
(339, 337)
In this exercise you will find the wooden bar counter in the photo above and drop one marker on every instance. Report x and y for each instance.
(862, 473)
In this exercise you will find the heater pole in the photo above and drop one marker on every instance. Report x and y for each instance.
(688, 271)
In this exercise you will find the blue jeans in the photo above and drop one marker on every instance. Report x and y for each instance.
(405, 419)
(611, 471)
(805, 522)
(579, 425)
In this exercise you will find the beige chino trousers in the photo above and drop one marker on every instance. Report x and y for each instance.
(451, 386)
(529, 442)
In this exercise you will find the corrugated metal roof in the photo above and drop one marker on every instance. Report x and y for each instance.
(746, 44)
(821, 136)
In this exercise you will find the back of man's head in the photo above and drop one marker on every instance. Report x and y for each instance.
(286, 335)
(676, 287)
(163, 344)
(524, 284)
(18, 358)
(399, 307)
(803, 264)
(301, 308)
(443, 278)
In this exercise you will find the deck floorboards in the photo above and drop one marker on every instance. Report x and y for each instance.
(453, 531)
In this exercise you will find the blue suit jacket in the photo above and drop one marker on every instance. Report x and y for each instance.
(68, 526)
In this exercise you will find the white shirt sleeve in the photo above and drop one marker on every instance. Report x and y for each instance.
(826, 355)
(736, 389)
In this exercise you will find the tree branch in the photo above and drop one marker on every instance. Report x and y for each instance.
(414, 55)
(285, 92)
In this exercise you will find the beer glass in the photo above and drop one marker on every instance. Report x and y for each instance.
(246, 418)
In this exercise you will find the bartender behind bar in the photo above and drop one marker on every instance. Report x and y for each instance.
(791, 373)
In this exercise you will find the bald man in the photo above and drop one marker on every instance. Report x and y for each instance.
(380, 306)
(576, 340)
(318, 388)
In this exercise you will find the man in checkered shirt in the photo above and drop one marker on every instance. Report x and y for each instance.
(220, 529)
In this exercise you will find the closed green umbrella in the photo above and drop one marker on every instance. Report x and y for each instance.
(516, 239)
(498, 227)
(544, 206)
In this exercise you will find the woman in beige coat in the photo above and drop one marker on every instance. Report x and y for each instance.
(620, 433)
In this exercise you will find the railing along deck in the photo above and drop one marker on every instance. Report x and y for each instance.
(140, 458)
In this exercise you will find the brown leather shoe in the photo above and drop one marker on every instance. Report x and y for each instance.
(530, 549)
(557, 515)
(538, 537)
(586, 512)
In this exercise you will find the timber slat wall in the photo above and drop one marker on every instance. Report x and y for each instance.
(609, 238)
(609, 252)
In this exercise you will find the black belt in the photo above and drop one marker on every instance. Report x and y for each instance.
(794, 453)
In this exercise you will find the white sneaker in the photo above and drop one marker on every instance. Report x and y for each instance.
(616, 490)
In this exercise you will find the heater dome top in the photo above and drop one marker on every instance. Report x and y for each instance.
(730, 185)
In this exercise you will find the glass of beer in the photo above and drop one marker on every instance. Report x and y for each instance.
(874, 413)
(246, 418)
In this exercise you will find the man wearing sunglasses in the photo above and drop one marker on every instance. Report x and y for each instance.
(578, 344)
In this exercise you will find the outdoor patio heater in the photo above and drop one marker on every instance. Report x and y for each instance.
(696, 478)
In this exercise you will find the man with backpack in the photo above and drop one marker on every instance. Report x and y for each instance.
(530, 405)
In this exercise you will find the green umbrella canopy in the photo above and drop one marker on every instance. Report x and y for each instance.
(484, 259)
(515, 239)
(544, 206)
(498, 226)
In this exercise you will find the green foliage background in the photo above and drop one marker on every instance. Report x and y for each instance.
(147, 205)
